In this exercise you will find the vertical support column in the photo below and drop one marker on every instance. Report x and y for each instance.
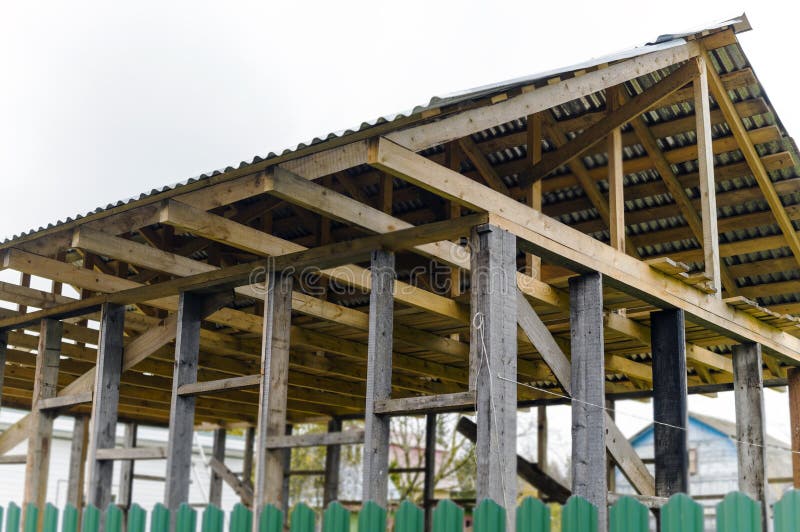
(287, 473)
(181, 415)
(41, 429)
(247, 461)
(705, 161)
(794, 422)
(616, 195)
(3, 353)
(379, 377)
(215, 483)
(533, 264)
(493, 364)
(610, 467)
(429, 487)
(103, 429)
(748, 386)
(125, 498)
(588, 392)
(77, 462)
(273, 391)
(333, 458)
(667, 334)
(541, 437)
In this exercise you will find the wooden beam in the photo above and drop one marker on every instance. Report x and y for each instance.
(613, 120)
(181, 412)
(794, 421)
(705, 163)
(40, 433)
(273, 390)
(103, 432)
(379, 378)
(126, 470)
(482, 165)
(249, 454)
(493, 363)
(470, 121)
(322, 439)
(751, 427)
(77, 461)
(616, 194)
(221, 385)
(429, 480)
(670, 402)
(333, 458)
(588, 393)
(753, 159)
(533, 264)
(3, 352)
(215, 482)
(545, 236)
(65, 401)
(239, 486)
(410, 406)
(541, 438)
(133, 453)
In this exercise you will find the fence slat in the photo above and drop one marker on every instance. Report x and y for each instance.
(489, 517)
(213, 519)
(137, 518)
(681, 514)
(738, 513)
(448, 517)
(12, 518)
(114, 517)
(91, 519)
(303, 519)
(186, 519)
(372, 518)
(271, 519)
(159, 518)
(629, 515)
(336, 518)
(31, 518)
(69, 519)
(533, 516)
(787, 512)
(409, 518)
(241, 519)
(50, 518)
(578, 515)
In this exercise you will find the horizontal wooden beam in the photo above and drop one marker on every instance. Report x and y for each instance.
(65, 401)
(221, 385)
(132, 453)
(13, 459)
(427, 404)
(348, 437)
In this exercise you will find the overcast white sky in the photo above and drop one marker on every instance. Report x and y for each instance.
(101, 101)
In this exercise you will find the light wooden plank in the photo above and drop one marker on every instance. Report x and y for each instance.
(65, 401)
(616, 194)
(322, 439)
(221, 385)
(409, 406)
(132, 453)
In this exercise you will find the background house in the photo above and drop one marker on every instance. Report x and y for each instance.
(713, 462)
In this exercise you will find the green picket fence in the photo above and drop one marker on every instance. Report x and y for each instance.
(736, 513)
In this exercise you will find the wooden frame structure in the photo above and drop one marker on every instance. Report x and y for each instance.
(307, 287)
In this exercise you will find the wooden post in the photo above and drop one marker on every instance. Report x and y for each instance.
(794, 422)
(286, 460)
(247, 462)
(610, 467)
(126, 467)
(77, 462)
(541, 437)
(3, 353)
(588, 392)
(533, 264)
(215, 483)
(493, 364)
(705, 162)
(616, 196)
(670, 409)
(273, 391)
(333, 458)
(748, 386)
(45, 384)
(379, 378)
(181, 415)
(429, 487)
(103, 428)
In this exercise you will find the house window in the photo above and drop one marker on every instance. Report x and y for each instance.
(693, 461)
